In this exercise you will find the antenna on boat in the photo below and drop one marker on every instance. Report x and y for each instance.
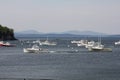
(47, 38)
(99, 39)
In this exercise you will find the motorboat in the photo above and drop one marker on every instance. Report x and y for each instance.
(35, 49)
(90, 44)
(1, 43)
(82, 43)
(75, 42)
(37, 41)
(117, 43)
(7, 44)
(47, 43)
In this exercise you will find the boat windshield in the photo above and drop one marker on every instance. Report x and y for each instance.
(35, 46)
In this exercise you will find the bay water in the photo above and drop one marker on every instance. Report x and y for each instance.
(66, 63)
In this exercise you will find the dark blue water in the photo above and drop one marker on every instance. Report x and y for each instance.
(62, 65)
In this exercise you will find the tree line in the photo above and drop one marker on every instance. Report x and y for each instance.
(6, 33)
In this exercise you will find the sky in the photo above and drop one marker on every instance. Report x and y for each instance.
(61, 15)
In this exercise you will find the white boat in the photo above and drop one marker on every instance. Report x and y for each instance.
(82, 43)
(96, 47)
(35, 49)
(75, 42)
(7, 44)
(100, 49)
(1, 43)
(117, 43)
(90, 44)
(37, 41)
(46, 42)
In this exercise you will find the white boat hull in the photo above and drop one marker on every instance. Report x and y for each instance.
(30, 50)
(104, 49)
(117, 43)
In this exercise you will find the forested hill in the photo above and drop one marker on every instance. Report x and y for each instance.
(6, 33)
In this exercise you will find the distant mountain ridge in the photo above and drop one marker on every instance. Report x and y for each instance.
(67, 32)
(29, 32)
(33, 33)
(84, 33)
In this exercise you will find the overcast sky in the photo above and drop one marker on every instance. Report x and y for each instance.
(61, 15)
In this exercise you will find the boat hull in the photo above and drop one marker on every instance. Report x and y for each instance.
(104, 49)
(29, 50)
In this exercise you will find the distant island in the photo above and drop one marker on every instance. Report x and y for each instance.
(75, 33)
(82, 34)
(6, 33)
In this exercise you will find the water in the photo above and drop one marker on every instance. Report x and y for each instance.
(65, 64)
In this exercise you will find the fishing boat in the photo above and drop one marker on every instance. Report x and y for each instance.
(117, 43)
(47, 43)
(75, 42)
(90, 44)
(82, 43)
(7, 44)
(1, 43)
(35, 49)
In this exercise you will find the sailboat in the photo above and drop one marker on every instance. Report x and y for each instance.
(98, 46)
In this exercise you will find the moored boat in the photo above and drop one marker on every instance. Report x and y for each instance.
(117, 43)
(1, 43)
(99, 47)
(90, 44)
(35, 49)
(104, 49)
(47, 43)
(96, 47)
(7, 44)
(82, 43)
(75, 42)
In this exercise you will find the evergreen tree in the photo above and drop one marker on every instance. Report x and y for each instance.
(6, 33)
